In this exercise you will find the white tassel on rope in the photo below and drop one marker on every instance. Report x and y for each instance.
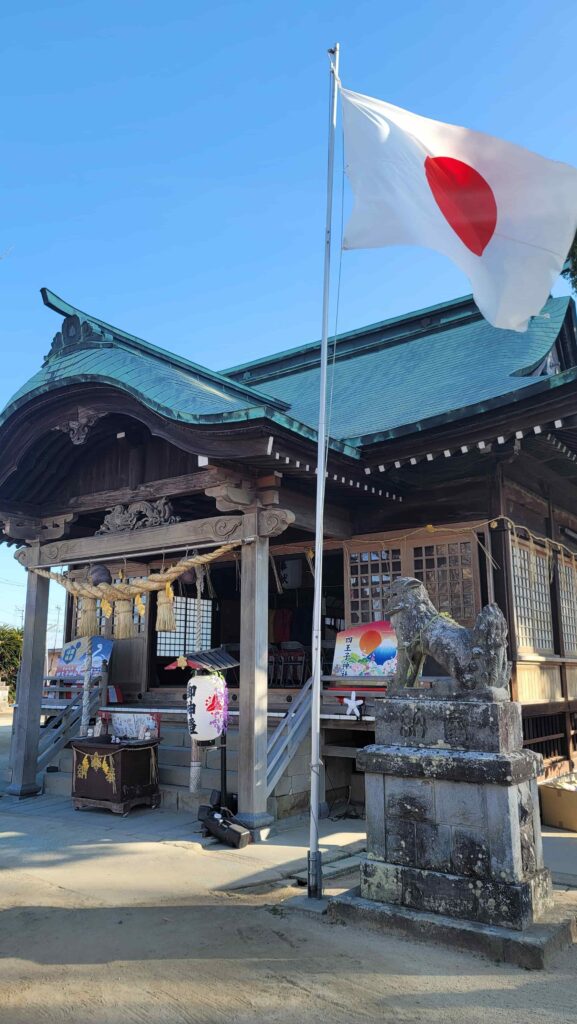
(195, 762)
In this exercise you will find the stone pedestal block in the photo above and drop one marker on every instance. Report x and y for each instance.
(453, 813)
(495, 727)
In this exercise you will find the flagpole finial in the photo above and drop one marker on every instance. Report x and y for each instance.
(334, 55)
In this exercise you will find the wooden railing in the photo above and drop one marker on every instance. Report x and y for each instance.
(288, 736)
(58, 728)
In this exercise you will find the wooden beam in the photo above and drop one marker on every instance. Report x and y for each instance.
(23, 527)
(170, 487)
(337, 521)
(178, 537)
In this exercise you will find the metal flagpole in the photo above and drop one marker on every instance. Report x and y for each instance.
(315, 873)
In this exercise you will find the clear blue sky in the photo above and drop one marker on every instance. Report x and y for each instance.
(163, 165)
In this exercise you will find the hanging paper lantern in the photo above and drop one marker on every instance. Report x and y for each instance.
(99, 574)
(206, 707)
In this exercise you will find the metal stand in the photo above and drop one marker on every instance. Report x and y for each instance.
(315, 876)
(223, 789)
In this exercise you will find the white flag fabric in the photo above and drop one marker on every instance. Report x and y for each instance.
(504, 215)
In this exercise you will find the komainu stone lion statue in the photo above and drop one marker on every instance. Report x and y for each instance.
(476, 658)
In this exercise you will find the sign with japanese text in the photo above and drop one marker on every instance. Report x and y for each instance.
(367, 650)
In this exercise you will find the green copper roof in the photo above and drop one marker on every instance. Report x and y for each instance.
(91, 350)
(437, 361)
(398, 375)
(88, 350)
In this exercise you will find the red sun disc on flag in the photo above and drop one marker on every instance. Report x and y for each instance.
(465, 199)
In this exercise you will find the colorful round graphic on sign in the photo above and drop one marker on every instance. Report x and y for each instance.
(369, 641)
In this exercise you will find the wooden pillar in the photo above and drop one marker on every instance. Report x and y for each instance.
(558, 635)
(29, 691)
(503, 569)
(253, 685)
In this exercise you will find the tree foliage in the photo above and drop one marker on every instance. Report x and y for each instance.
(570, 269)
(10, 654)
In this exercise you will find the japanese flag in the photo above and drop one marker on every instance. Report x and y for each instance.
(504, 215)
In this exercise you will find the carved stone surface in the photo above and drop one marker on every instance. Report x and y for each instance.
(410, 719)
(475, 658)
(452, 812)
(488, 901)
(137, 516)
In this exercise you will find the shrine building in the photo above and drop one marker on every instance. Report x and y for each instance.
(452, 458)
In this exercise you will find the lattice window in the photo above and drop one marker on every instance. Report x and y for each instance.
(568, 589)
(447, 563)
(183, 641)
(371, 575)
(447, 571)
(533, 620)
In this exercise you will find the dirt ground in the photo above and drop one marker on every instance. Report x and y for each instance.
(233, 959)
(107, 920)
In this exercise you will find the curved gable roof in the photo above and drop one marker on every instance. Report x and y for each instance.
(89, 350)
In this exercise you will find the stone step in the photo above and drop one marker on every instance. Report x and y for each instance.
(173, 755)
(334, 870)
(58, 783)
(63, 760)
(174, 736)
(212, 758)
(174, 774)
(210, 779)
(177, 798)
(178, 736)
(173, 797)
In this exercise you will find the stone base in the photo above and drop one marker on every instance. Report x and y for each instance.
(252, 820)
(484, 900)
(533, 949)
(23, 791)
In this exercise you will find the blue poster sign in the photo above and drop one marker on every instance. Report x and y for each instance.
(72, 662)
